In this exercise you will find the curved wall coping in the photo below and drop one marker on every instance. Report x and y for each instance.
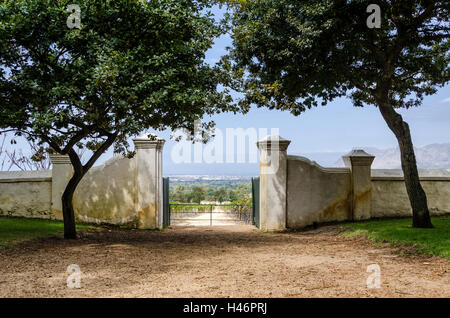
(108, 162)
(315, 164)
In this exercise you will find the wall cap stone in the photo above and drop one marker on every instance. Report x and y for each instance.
(148, 141)
(275, 142)
(60, 159)
(358, 153)
(358, 157)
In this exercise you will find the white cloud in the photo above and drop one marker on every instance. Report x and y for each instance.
(447, 100)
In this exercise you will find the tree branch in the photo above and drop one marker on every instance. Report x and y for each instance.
(100, 151)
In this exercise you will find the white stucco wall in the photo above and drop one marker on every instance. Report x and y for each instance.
(107, 194)
(26, 194)
(389, 197)
(122, 191)
(316, 194)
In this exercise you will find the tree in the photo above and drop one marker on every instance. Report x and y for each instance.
(209, 193)
(126, 67)
(220, 195)
(233, 195)
(291, 55)
(39, 158)
(36, 158)
(197, 194)
(178, 194)
(5, 162)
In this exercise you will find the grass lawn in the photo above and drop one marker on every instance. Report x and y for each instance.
(14, 230)
(399, 232)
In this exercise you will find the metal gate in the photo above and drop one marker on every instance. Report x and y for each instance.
(194, 214)
(166, 203)
(211, 214)
(255, 201)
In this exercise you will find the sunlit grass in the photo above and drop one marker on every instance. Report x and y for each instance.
(399, 232)
(14, 230)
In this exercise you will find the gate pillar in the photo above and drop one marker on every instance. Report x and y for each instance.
(360, 163)
(273, 183)
(149, 181)
(62, 172)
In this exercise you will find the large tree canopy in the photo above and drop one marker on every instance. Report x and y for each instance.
(293, 55)
(131, 65)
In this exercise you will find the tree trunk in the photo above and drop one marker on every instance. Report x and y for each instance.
(70, 231)
(416, 194)
(67, 204)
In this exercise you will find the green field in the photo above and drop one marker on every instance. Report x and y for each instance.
(15, 230)
(399, 232)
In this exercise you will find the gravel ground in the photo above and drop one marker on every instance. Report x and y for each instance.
(231, 261)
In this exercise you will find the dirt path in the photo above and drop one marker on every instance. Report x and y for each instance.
(234, 261)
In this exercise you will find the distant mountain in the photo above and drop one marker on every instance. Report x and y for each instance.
(435, 156)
